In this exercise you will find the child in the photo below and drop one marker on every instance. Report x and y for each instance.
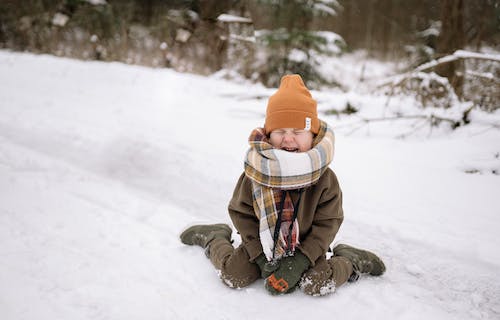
(287, 206)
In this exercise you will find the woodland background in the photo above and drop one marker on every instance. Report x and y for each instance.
(262, 40)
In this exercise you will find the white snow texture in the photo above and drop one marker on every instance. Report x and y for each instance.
(102, 165)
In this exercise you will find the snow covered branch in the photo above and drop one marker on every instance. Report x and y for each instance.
(428, 120)
(233, 19)
(457, 55)
(433, 90)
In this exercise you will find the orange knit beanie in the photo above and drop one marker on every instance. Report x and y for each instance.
(292, 107)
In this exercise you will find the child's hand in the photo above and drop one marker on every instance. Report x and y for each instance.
(263, 264)
(288, 274)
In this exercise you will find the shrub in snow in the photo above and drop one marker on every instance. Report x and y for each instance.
(481, 87)
(430, 89)
(482, 84)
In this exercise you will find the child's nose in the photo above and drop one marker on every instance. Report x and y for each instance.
(288, 136)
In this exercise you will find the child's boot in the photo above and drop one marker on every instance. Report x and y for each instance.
(202, 235)
(363, 262)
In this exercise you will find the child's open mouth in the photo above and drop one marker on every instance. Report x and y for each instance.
(290, 149)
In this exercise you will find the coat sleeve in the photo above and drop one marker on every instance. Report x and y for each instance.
(328, 217)
(243, 217)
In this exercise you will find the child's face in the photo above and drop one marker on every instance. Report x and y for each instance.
(292, 140)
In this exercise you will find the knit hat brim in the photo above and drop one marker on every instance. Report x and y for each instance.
(297, 119)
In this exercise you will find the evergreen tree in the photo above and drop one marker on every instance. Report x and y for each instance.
(290, 45)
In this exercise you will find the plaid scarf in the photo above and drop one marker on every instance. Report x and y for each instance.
(273, 170)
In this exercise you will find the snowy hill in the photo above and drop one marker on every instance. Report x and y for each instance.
(102, 165)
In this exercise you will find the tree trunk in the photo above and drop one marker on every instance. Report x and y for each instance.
(369, 27)
(452, 38)
(386, 6)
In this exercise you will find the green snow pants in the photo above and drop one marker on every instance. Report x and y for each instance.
(237, 271)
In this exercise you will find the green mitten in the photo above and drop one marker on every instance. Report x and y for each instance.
(288, 274)
(266, 268)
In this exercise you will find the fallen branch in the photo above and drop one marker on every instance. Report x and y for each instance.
(457, 55)
(422, 121)
(433, 119)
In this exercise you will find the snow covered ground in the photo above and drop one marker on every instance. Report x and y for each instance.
(102, 165)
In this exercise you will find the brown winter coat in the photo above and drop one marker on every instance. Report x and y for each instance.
(319, 216)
